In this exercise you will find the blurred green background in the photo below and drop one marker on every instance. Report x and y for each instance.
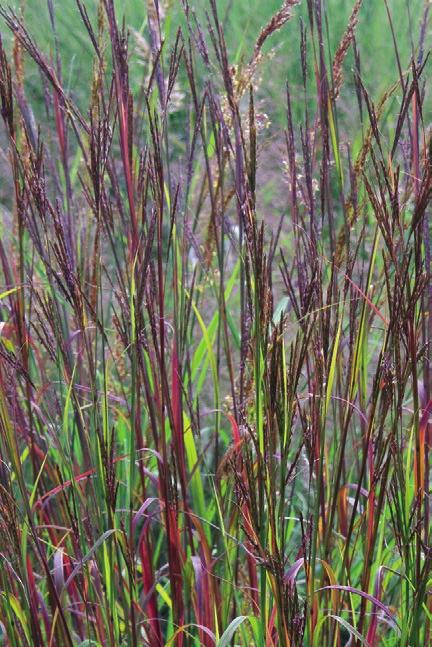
(243, 20)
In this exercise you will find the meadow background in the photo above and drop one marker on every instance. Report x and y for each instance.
(215, 330)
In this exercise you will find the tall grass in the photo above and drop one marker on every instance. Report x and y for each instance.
(215, 419)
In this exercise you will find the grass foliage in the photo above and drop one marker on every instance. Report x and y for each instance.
(215, 377)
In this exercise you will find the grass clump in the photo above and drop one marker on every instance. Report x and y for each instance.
(215, 381)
